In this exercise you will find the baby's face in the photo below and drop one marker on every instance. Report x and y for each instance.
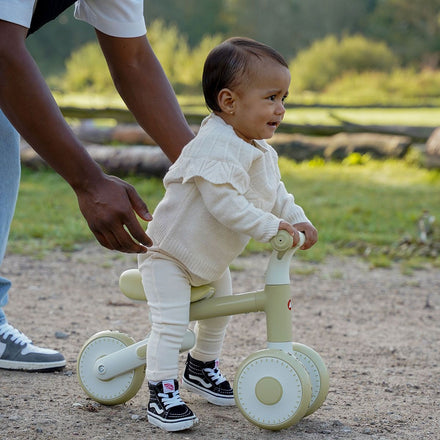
(259, 104)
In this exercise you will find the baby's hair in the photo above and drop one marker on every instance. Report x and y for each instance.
(227, 64)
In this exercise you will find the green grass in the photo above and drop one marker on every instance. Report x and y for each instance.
(423, 116)
(47, 214)
(365, 209)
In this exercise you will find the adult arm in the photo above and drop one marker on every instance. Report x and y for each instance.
(141, 82)
(107, 203)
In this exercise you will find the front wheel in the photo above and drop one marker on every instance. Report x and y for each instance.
(272, 389)
(113, 391)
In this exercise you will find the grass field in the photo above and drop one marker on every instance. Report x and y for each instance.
(365, 209)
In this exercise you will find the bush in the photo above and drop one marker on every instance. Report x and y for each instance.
(87, 71)
(401, 85)
(328, 59)
(182, 64)
(170, 47)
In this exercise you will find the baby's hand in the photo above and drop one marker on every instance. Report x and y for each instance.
(309, 231)
(291, 230)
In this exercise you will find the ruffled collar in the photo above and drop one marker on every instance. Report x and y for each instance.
(216, 120)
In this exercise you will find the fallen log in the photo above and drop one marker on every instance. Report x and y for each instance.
(432, 155)
(340, 145)
(417, 133)
(378, 146)
(119, 161)
(124, 134)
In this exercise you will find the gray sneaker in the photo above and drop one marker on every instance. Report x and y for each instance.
(18, 353)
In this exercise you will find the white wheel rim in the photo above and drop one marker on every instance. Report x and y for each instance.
(98, 389)
(278, 371)
(315, 378)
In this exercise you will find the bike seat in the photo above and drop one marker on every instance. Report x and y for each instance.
(130, 283)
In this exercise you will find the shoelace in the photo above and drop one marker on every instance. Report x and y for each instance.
(171, 400)
(215, 375)
(16, 336)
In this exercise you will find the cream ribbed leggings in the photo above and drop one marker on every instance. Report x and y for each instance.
(167, 285)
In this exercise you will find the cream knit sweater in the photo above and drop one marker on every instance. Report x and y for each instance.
(220, 192)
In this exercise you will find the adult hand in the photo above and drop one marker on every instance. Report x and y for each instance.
(109, 205)
(309, 231)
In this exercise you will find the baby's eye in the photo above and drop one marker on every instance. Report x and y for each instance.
(272, 97)
(284, 98)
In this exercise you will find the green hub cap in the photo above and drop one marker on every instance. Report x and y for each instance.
(268, 391)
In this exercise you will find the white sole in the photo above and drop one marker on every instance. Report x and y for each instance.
(172, 426)
(31, 366)
(215, 400)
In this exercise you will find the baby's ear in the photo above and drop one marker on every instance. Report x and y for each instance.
(226, 101)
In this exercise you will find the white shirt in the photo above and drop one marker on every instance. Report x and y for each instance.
(118, 18)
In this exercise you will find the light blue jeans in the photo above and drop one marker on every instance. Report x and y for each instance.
(9, 183)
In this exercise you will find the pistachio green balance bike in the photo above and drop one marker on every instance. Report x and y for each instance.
(274, 388)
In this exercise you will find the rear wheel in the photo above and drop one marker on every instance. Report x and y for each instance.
(113, 391)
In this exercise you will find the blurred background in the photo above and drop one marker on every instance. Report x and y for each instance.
(360, 142)
(340, 51)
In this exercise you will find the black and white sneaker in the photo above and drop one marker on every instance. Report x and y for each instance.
(205, 379)
(17, 352)
(166, 409)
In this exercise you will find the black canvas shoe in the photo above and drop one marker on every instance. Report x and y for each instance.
(166, 409)
(205, 379)
(17, 352)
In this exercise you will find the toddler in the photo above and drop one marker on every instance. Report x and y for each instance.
(224, 189)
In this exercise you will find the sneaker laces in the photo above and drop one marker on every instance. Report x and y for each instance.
(215, 375)
(170, 400)
(16, 335)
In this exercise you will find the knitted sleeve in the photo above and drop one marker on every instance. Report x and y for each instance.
(234, 211)
(286, 208)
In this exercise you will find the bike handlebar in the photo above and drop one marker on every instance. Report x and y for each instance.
(284, 241)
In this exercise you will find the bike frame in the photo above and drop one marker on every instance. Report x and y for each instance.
(274, 300)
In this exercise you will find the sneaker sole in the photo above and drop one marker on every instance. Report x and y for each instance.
(166, 425)
(215, 399)
(32, 366)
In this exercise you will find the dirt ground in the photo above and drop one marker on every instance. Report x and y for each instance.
(377, 330)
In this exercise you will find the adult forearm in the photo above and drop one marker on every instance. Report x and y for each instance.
(27, 102)
(142, 83)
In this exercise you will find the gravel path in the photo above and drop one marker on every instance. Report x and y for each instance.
(377, 330)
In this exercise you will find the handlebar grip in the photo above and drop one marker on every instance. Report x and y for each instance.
(284, 241)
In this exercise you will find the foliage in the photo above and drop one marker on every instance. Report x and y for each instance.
(328, 59)
(86, 71)
(400, 85)
(182, 65)
(410, 28)
(192, 18)
(294, 25)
